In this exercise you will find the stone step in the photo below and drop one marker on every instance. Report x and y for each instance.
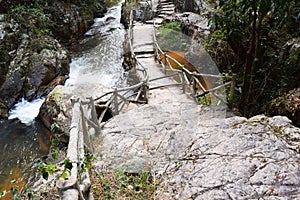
(164, 17)
(161, 16)
(167, 5)
(166, 2)
(145, 55)
(167, 13)
(158, 21)
(167, 9)
(147, 49)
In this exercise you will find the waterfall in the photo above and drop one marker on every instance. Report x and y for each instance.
(26, 111)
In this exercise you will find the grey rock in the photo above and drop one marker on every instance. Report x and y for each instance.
(199, 156)
(143, 11)
(288, 105)
(38, 65)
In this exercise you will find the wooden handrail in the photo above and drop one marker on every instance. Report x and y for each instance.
(195, 75)
(84, 118)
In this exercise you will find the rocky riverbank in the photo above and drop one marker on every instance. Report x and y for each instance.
(34, 41)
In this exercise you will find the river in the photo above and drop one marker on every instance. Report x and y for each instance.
(97, 59)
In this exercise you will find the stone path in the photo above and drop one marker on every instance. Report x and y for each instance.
(194, 151)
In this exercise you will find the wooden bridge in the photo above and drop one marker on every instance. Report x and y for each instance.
(159, 81)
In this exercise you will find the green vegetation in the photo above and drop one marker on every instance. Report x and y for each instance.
(171, 37)
(251, 39)
(167, 27)
(110, 3)
(32, 18)
(122, 185)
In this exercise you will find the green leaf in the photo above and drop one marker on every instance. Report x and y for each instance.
(53, 127)
(3, 193)
(55, 153)
(55, 142)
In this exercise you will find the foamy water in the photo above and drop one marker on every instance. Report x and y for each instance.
(26, 111)
(101, 64)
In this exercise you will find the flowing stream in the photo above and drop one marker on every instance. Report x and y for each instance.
(97, 59)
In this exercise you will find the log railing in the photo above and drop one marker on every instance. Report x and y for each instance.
(86, 124)
(191, 79)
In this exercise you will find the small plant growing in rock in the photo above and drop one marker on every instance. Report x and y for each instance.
(122, 185)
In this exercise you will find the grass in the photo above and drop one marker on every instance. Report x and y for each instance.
(121, 185)
(171, 38)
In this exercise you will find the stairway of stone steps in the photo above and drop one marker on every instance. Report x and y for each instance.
(162, 11)
(166, 8)
(191, 149)
(143, 47)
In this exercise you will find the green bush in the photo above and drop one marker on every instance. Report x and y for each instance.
(32, 18)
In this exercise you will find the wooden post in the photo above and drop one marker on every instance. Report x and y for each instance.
(181, 76)
(165, 62)
(193, 87)
(94, 114)
(232, 86)
(116, 104)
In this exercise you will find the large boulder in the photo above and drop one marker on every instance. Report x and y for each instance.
(287, 105)
(188, 6)
(69, 21)
(56, 111)
(39, 64)
(193, 25)
(142, 11)
(195, 154)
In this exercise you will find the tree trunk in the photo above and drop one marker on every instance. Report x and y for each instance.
(244, 100)
(256, 60)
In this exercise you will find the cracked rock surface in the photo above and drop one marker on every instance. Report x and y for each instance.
(195, 154)
(194, 151)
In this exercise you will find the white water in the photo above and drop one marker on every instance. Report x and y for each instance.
(26, 111)
(101, 64)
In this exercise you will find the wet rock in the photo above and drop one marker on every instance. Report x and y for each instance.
(67, 20)
(142, 12)
(3, 110)
(36, 64)
(287, 105)
(71, 20)
(9, 41)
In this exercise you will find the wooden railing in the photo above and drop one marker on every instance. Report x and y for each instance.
(191, 79)
(86, 124)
